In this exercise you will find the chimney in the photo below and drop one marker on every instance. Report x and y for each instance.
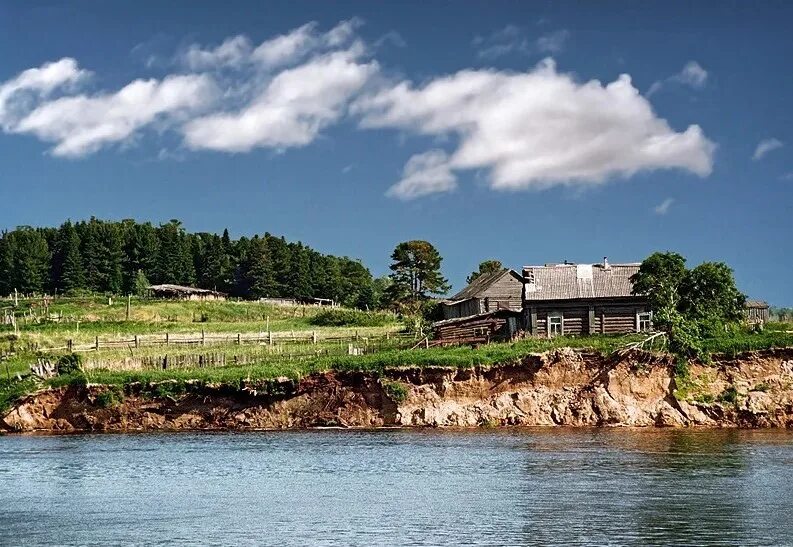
(606, 265)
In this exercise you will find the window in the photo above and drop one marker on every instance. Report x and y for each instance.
(644, 321)
(555, 325)
(480, 331)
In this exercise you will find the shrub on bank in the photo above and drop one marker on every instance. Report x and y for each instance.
(351, 318)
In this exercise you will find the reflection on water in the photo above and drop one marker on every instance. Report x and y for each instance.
(517, 486)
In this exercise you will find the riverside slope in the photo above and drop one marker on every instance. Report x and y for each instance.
(561, 387)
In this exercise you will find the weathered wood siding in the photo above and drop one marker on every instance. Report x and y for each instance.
(473, 306)
(482, 329)
(584, 317)
(503, 294)
(757, 315)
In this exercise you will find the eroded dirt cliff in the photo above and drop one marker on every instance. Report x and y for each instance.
(555, 388)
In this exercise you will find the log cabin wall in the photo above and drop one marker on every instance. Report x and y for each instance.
(487, 328)
(585, 317)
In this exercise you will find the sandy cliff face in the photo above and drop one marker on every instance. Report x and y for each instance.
(556, 388)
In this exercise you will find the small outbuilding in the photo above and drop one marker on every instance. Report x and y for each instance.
(756, 312)
(493, 291)
(181, 292)
(497, 325)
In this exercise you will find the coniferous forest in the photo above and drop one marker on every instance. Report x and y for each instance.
(97, 256)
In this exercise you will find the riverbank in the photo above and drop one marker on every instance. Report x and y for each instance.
(558, 387)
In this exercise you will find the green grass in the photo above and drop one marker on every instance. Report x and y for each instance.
(351, 318)
(733, 344)
(83, 319)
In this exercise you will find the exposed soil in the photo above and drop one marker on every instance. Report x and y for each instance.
(555, 388)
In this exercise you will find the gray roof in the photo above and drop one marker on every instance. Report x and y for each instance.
(576, 281)
(756, 304)
(481, 284)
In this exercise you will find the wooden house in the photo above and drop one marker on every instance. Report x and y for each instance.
(582, 299)
(499, 290)
(756, 312)
(180, 292)
(496, 325)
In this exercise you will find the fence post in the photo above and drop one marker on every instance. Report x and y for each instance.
(356, 335)
(137, 342)
(269, 336)
(314, 337)
(203, 337)
(167, 339)
(96, 343)
(239, 339)
(69, 344)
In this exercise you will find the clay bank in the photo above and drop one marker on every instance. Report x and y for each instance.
(556, 388)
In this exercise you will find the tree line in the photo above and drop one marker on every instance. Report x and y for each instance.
(124, 257)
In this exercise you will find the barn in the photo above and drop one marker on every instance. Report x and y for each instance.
(577, 299)
(493, 291)
(756, 312)
(496, 325)
(181, 292)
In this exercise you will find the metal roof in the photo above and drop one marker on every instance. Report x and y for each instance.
(576, 281)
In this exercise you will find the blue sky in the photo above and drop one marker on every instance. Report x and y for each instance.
(494, 130)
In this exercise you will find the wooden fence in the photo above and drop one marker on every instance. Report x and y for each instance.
(204, 338)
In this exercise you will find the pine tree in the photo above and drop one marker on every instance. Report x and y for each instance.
(259, 272)
(299, 282)
(31, 261)
(67, 261)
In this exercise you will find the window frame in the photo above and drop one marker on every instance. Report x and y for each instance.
(644, 317)
(553, 316)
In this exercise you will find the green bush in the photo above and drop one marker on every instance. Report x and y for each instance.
(396, 391)
(68, 363)
(351, 318)
(113, 396)
(729, 396)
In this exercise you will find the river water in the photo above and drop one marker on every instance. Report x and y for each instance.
(400, 487)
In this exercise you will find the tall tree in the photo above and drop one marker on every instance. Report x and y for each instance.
(688, 304)
(67, 265)
(485, 267)
(416, 271)
(260, 280)
(30, 261)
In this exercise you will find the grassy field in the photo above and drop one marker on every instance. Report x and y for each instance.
(81, 320)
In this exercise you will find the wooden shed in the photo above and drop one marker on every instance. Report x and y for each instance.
(181, 292)
(499, 290)
(583, 299)
(496, 325)
(756, 312)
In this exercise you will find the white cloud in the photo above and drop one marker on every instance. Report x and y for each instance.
(424, 174)
(232, 52)
(282, 50)
(692, 75)
(553, 42)
(663, 207)
(290, 111)
(787, 176)
(508, 40)
(540, 128)
(83, 124)
(15, 94)
(765, 146)
(287, 47)
(513, 39)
